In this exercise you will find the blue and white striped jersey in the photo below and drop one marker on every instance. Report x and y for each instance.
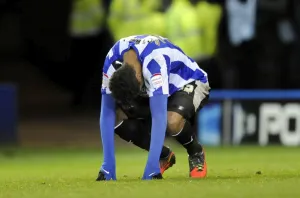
(166, 68)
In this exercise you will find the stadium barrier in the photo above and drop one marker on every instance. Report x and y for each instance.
(8, 114)
(261, 117)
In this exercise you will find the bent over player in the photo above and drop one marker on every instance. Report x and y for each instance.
(151, 86)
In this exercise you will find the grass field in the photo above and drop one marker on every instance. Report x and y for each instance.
(233, 172)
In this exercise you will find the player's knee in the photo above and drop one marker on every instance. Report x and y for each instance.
(175, 123)
(120, 116)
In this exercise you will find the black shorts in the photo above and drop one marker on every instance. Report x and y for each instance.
(187, 101)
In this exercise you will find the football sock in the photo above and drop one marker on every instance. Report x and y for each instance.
(188, 139)
(134, 131)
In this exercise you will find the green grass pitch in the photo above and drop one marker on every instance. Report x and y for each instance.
(232, 172)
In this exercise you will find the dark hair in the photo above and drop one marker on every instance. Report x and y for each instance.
(124, 84)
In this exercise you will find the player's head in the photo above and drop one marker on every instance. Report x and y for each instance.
(124, 84)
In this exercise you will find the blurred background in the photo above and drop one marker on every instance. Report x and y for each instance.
(52, 53)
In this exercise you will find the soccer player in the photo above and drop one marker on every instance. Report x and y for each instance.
(151, 86)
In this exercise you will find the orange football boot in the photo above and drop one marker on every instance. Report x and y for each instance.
(198, 167)
(167, 162)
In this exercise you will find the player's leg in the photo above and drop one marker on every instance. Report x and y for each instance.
(182, 107)
(135, 131)
(138, 131)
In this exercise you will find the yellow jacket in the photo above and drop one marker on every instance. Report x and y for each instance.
(87, 17)
(183, 27)
(131, 17)
(209, 17)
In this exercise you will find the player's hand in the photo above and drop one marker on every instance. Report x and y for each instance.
(151, 173)
(152, 176)
(106, 174)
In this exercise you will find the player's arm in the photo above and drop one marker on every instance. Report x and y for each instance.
(158, 105)
(159, 91)
(107, 123)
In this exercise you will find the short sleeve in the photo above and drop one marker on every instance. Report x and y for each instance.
(108, 70)
(156, 75)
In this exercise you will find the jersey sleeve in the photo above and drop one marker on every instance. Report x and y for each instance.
(112, 62)
(109, 68)
(156, 75)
